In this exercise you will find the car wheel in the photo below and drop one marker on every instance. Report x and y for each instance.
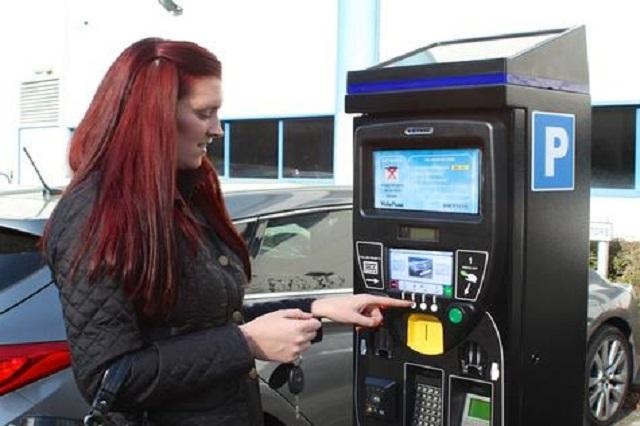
(608, 375)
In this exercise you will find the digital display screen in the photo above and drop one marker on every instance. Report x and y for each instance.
(434, 180)
(418, 233)
(419, 271)
(479, 409)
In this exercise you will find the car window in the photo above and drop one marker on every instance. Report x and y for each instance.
(304, 252)
(19, 256)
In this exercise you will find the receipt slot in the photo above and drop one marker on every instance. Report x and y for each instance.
(471, 191)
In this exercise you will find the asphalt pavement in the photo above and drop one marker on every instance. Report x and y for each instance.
(632, 409)
(631, 419)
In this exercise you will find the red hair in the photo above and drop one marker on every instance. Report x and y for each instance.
(129, 136)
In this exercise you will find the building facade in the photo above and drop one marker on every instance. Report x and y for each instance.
(284, 75)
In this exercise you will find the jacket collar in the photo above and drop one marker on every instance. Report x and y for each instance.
(187, 181)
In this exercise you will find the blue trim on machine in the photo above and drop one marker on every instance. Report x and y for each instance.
(426, 83)
(488, 79)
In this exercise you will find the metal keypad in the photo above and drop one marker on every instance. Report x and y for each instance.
(428, 406)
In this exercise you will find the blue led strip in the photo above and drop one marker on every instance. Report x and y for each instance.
(488, 79)
(426, 83)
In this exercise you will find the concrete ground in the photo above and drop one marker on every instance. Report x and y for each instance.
(632, 410)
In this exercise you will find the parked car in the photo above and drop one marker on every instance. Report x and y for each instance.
(300, 243)
(612, 353)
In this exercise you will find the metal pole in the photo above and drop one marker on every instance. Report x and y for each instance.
(603, 258)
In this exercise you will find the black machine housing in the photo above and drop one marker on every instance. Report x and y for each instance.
(513, 341)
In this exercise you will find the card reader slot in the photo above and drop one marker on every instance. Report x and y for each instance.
(471, 402)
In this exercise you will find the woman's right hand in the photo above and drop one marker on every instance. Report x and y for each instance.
(281, 335)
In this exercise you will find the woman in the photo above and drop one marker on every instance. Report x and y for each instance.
(148, 262)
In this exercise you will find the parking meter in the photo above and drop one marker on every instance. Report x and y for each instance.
(471, 199)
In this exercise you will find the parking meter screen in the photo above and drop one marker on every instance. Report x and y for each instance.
(419, 271)
(435, 180)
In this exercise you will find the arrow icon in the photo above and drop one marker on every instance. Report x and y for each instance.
(373, 280)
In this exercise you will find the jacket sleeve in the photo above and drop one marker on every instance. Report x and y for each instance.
(257, 309)
(101, 324)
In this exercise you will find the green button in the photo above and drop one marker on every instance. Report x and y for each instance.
(455, 315)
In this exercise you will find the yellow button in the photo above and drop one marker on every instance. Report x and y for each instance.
(253, 374)
(224, 260)
(425, 334)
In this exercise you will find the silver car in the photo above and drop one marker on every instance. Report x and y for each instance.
(300, 243)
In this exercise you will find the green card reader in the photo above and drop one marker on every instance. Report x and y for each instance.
(477, 410)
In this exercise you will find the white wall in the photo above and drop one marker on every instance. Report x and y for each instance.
(8, 127)
(32, 35)
(278, 56)
(47, 147)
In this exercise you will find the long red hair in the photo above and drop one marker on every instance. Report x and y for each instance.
(129, 136)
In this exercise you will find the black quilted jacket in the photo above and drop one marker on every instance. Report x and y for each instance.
(195, 367)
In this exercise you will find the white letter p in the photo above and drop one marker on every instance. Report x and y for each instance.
(553, 151)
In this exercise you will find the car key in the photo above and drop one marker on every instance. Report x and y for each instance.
(294, 377)
(280, 375)
(295, 382)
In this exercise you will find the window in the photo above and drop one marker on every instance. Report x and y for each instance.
(254, 149)
(281, 148)
(613, 149)
(19, 256)
(308, 148)
(304, 252)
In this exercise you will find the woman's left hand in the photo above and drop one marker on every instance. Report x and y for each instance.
(363, 310)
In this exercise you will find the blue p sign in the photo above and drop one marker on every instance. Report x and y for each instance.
(553, 151)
